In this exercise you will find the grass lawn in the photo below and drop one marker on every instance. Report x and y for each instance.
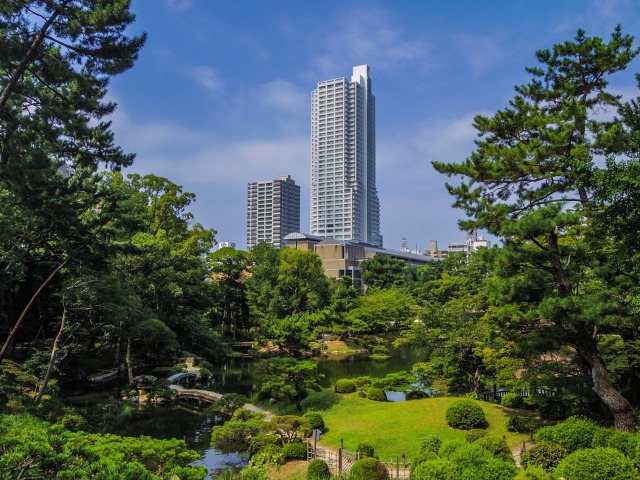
(396, 428)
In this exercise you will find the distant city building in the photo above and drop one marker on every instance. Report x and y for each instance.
(344, 198)
(342, 258)
(404, 247)
(273, 211)
(473, 243)
(224, 245)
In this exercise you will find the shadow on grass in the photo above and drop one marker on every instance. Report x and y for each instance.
(319, 401)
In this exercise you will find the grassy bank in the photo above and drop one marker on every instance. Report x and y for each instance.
(394, 428)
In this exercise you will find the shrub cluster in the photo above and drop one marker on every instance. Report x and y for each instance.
(316, 420)
(573, 434)
(318, 470)
(518, 424)
(345, 385)
(368, 468)
(597, 463)
(430, 443)
(376, 394)
(416, 395)
(365, 450)
(546, 455)
(465, 415)
(474, 434)
(512, 400)
(295, 451)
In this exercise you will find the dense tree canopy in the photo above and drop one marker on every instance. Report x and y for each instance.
(530, 181)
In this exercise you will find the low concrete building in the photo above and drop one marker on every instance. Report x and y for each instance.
(342, 258)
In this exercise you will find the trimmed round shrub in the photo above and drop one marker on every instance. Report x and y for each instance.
(573, 434)
(365, 450)
(422, 456)
(596, 464)
(610, 437)
(436, 469)
(430, 443)
(546, 455)
(368, 469)
(496, 446)
(345, 385)
(470, 456)
(492, 469)
(450, 447)
(474, 434)
(416, 395)
(295, 451)
(465, 415)
(518, 424)
(318, 470)
(534, 473)
(511, 400)
(376, 394)
(316, 420)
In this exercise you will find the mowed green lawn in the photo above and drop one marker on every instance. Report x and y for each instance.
(396, 428)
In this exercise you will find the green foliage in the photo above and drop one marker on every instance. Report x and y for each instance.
(37, 449)
(573, 434)
(511, 400)
(496, 446)
(383, 271)
(436, 469)
(295, 451)
(230, 402)
(376, 394)
(474, 434)
(368, 469)
(626, 442)
(416, 395)
(237, 434)
(288, 378)
(365, 450)
(399, 381)
(345, 385)
(596, 464)
(269, 454)
(519, 424)
(476, 462)
(318, 470)
(380, 311)
(534, 473)
(316, 420)
(465, 415)
(380, 351)
(290, 428)
(546, 455)
(430, 443)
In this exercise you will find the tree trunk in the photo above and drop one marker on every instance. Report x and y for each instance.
(15, 328)
(52, 359)
(619, 406)
(128, 361)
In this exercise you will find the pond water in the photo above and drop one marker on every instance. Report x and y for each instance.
(239, 375)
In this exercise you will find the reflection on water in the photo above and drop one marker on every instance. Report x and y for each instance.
(192, 426)
(239, 375)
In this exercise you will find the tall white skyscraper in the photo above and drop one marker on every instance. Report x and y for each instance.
(273, 211)
(344, 198)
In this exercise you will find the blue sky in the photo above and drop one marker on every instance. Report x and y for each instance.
(220, 95)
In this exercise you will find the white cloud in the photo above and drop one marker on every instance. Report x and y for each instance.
(179, 5)
(207, 77)
(283, 95)
(367, 35)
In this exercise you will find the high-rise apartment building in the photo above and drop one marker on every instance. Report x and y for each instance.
(273, 211)
(344, 198)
